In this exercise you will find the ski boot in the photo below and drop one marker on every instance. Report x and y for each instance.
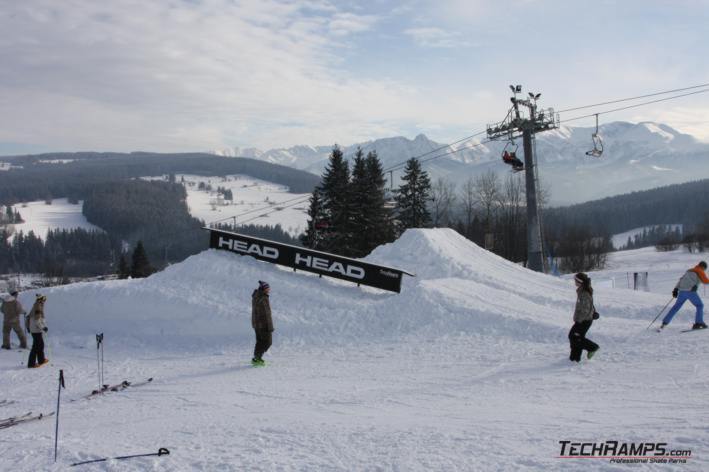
(590, 354)
(699, 326)
(257, 362)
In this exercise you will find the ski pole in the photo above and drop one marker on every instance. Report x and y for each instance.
(658, 315)
(161, 452)
(56, 428)
(49, 348)
(99, 370)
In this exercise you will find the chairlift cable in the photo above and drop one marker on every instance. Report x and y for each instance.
(257, 209)
(634, 98)
(636, 105)
(274, 210)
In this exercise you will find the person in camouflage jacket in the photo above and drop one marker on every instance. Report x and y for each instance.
(261, 321)
(11, 310)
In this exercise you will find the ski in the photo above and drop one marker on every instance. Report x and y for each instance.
(106, 388)
(690, 330)
(6, 402)
(25, 419)
(121, 386)
(15, 418)
(125, 384)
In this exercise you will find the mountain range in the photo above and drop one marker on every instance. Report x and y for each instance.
(636, 157)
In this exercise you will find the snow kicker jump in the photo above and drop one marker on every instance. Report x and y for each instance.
(298, 258)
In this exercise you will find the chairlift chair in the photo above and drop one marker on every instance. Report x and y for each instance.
(509, 156)
(597, 150)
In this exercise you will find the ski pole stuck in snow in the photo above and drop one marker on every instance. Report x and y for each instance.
(161, 452)
(658, 315)
(56, 428)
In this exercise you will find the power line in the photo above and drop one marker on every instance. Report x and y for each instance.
(634, 98)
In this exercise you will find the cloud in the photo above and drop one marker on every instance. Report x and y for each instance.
(177, 75)
(343, 24)
(436, 38)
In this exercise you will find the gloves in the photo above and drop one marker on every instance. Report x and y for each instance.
(675, 292)
(45, 329)
(596, 315)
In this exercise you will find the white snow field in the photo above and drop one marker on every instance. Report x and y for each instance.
(466, 370)
(40, 217)
(261, 202)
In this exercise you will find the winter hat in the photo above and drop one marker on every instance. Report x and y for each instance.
(263, 285)
(41, 298)
(703, 265)
(582, 278)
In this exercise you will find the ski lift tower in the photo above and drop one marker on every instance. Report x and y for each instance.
(527, 123)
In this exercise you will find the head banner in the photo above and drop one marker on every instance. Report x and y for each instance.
(322, 263)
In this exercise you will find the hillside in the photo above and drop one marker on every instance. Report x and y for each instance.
(672, 204)
(55, 175)
(466, 369)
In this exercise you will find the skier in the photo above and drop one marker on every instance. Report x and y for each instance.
(11, 310)
(512, 159)
(686, 289)
(36, 326)
(261, 322)
(584, 314)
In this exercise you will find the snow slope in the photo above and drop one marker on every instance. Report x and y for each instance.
(261, 203)
(466, 369)
(40, 217)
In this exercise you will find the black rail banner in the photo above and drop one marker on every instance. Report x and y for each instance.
(322, 263)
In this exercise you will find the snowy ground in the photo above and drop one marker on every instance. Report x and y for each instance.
(40, 217)
(252, 198)
(620, 240)
(466, 369)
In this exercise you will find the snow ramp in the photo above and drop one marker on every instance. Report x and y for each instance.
(459, 288)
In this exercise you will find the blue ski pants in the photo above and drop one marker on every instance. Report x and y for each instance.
(682, 297)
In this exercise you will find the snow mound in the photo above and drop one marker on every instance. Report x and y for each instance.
(459, 288)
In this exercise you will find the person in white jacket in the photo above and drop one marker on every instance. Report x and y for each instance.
(37, 326)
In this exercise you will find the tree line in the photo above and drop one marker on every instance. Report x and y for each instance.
(63, 253)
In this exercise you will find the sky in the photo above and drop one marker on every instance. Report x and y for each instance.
(200, 75)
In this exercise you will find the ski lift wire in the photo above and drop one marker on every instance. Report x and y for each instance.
(257, 209)
(402, 163)
(634, 98)
(636, 105)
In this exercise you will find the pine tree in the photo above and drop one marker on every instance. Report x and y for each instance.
(337, 205)
(361, 210)
(141, 265)
(317, 223)
(123, 269)
(380, 217)
(412, 197)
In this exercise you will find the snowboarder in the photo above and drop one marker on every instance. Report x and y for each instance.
(584, 314)
(12, 309)
(686, 289)
(36, 326)
(261, 321)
